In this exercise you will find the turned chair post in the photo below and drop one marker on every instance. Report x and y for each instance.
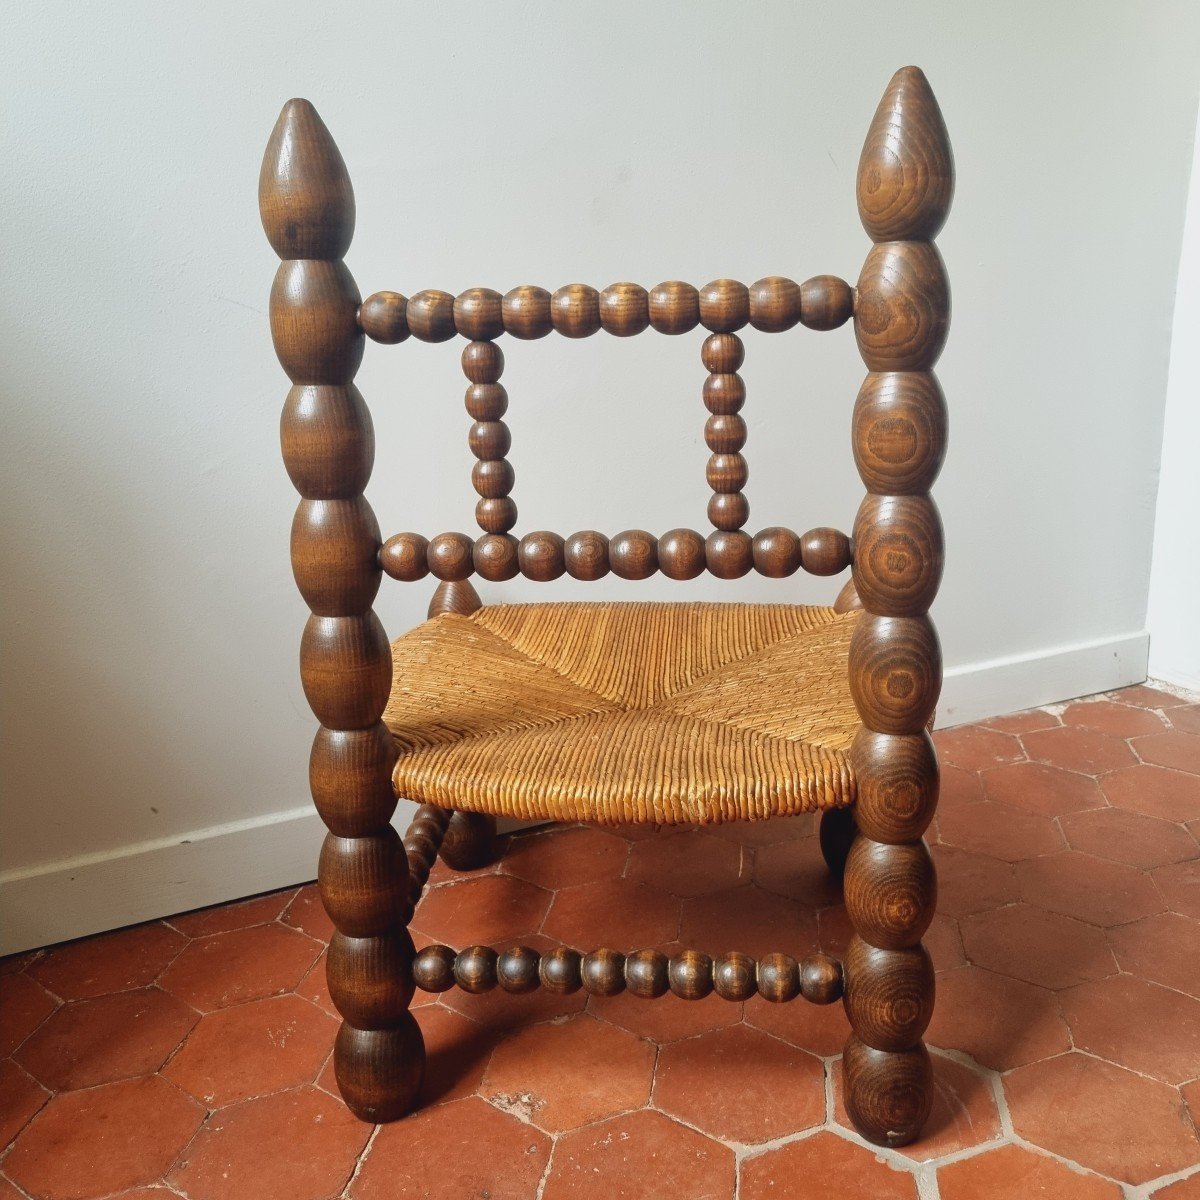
(307, 208)
(902, 311)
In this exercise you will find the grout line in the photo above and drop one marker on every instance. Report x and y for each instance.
(360, 1161)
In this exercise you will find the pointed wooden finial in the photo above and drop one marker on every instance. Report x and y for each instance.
(304, 192)
(906, 171)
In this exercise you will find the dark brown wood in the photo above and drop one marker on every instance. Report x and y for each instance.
(475, 969)
(456, 597)
(724, 305)
(307, 208)
(517, 970)
(603, 972)
(559, 971)
(383, 317)
(585, 555)
(370, 877)
(778, 978)
(681, 554)
(735, 976)
(526, 312)
(541, 556)
(674, 307)
(431, 316)
(477, 314)
(837, 831)
(470, 841)
(821, 979)
(646, 974)
(624, 309)
(690, 975)
(901, 318)
(633, 554)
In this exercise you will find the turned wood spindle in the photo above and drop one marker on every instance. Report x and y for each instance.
(905, 182)
(729, 552)
(307, 207)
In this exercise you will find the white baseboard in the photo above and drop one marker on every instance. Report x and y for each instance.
(997, 686)
(56, 901)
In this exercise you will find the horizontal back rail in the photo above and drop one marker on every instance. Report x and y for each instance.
(632, 554)
(528, 312)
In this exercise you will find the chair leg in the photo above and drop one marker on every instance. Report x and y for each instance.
(379, 1055)
(837, 832)
(889, 989)
(469, 842)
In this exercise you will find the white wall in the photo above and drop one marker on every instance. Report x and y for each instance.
(150, 624)
(1175, 570)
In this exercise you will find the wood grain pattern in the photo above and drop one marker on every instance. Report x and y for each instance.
(901, 315)
(307, 207)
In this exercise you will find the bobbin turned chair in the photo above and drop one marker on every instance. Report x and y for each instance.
(662, 713)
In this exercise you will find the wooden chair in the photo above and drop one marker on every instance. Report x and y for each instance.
(659, 713)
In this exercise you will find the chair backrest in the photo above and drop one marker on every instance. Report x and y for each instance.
(900, 311)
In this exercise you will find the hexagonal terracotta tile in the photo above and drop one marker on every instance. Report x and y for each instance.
(1147, 1028)
(221, 918)
(971, 882)
(691, 863)
(24, 1005)
(1015, 1173)
(1037, 946)
(1000, 1022)
(975, 749)
(1181, 1189)
(1145, 696)
(314, 988)
(481, 910)
(616, 913)
(1176, 749)
(796, 869)
(1155, 791)
(1038, 788)
(467, 1148)
(820, 1167)
(963, 1115)
(1022, 722)
(748, 920)
(561, 1076)
(307, 914)
(20, 1098)
(638, 1155)
(105, 1139)
(113, 962)
(1092, 889)
(741, 1085)
(106, 1038)
(958, 786)
(1164, 949)
(1082, 750)
(820, 1029)
(264, 1046)
(1110, 716)
(1129, 837)
(1186, 718)
(666, 1019)
(561, 857)
(999, 830)
(456, 1051)
(250, 1149)
(766, 833)
(1102, 1116)
(244, 964)
(1179, 884)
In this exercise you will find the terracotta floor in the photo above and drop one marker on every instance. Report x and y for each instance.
(191, 1056)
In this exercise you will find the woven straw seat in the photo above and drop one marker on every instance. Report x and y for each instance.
(619, 712)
